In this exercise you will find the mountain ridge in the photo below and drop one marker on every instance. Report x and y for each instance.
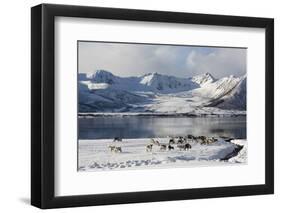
(103, 91)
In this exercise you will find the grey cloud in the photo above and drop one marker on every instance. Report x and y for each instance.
(137, 59)
(222, 62)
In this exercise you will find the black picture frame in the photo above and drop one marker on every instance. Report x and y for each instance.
(43, 110)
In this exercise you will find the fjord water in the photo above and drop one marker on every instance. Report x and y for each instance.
(109, 127)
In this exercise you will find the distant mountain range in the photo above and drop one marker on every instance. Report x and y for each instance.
(102, 91)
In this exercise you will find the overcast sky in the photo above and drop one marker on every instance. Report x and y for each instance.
(181, 61)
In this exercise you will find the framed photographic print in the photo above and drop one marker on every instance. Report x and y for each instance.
(139, 106)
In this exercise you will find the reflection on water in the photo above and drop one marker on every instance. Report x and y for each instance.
(146, 127)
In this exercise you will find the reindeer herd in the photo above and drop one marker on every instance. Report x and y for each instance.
(180, 143)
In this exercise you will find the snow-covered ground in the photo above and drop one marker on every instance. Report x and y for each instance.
(95, 155)
(241, 157)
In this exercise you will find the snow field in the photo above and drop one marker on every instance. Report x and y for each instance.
(95, 155)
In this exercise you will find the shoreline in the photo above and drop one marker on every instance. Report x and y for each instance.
(191, 115)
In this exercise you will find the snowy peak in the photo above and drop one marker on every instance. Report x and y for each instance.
(165, 83)
(203, 79)
(235, 98)
(103, 76)
(149, 79)
(218, 89)
(154, 82)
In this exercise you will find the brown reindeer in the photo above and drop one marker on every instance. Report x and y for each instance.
(184, 147)
(117, 139)
(163, 147)
(149, 147)
(170, 147)
(172, 141)
(115, 148)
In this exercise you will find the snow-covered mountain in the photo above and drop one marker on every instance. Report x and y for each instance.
(164, 83)
(235, 99)
(104, 92)
(217, 89)
(150, 82)
(203, 79)
(107, 99)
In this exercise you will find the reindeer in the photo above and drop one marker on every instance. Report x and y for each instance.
(163, 147)
(115, 148)
(214, 139)
(172, 141)
(118, 149)
(187, 146)
(180, 140)
(191, 137)
(208, 141)
(149, 147)
(155, 142)
(117, 139)
(202, 140)
(111, 148)
(184, 147)
(170, 147)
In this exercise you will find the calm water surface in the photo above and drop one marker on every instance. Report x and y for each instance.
(148, 127)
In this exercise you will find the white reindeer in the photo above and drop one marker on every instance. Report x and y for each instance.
(155, 142)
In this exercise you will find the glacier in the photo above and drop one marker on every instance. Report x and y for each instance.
(104, 92)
